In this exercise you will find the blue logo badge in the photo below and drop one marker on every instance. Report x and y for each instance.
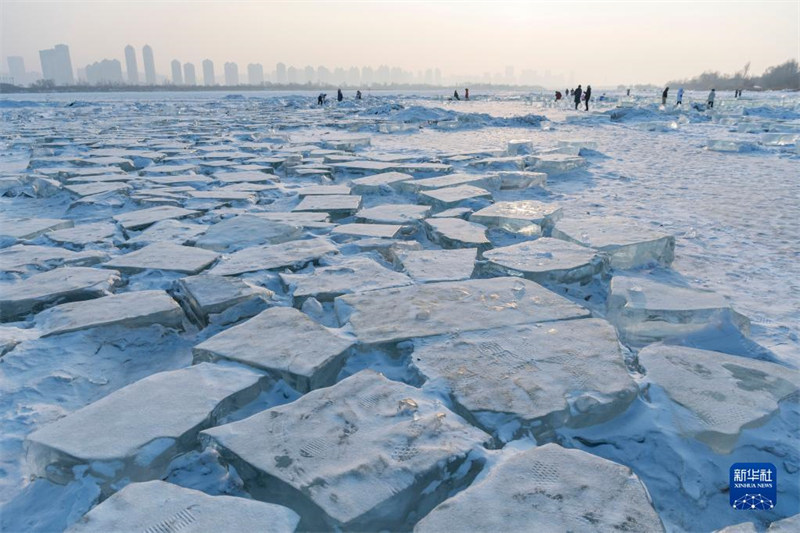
(754, 486)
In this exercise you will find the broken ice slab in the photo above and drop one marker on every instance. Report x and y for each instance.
(729, 145)
(246, 230)
(164, 256)
(349, 144)
(553, 164)
(288, 254)
(172, 231)
(456, 212)
(135, 431)
(84, 234)
(716, 396)
(159, 507)
(350, 275)
(362, 166)
(438, 265)
(392, 315)
(386, 231)
(534, 378)
(168, 170)
(244, 177)
(30, 228)
(130, 309)
(188, 179)
(547, 260)
(321, 190)
(452, 196)
(208, 295)
(778, 139)
(490, 181)
(456, 233)
(64, 284)
(629, 243)
(335, 204)
(549, 488)
(376, 182)
(23, 257)
(224, 195)
(523, 216)
(499, 163)
(646, 311)
(366, 454)
(135, 220)
(521, 179)
(577, 143)
(302, 352)
(89, 189)
(519, 147)
(393, 213)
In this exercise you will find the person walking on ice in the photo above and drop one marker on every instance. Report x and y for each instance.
(664, 96)
(711, 96)
(578, 92)
(680, 98)
(587, 95)
(455, 95)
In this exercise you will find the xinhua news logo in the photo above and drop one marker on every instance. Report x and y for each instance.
(754, 486)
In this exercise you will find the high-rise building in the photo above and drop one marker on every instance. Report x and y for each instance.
(105, 72)
(130, 65)
(16, 67)
(291, 75)
(208, 73)
(280, 73)
(149, 65)
(255, 74)
(177, 73)
(231, 74)
(56, 65)
(189, 77)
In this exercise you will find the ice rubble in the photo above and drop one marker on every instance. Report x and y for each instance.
(393, 213)
(386, 231)
(365, 454)
(334, 204)
(438, 265)
(246, 230)
(376, 182)
(273, 256)
(83, 234)
(547, 260)
(523, 216)
(156, 506)
(142, 218)
(164, 256)
(21, 258)
(447, 197)
(207, 295)
(30, 228)
(455, 233)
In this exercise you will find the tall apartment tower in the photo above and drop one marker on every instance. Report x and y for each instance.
(56, 65)
(177, 73)
(130, 65)
(208, 72)
(231, 74)
(189, 77)
(255, 74)
(149, 65)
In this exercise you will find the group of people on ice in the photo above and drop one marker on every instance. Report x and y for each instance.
(578, 95)
(323, 97)
(679, 102)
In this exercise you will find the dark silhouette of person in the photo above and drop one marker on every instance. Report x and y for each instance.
(587, 95)
(466, 94)
(358, 95)
(628, 93)
(558, 96)
(578, 93)
(711, 96)
(664, 96)
(339, 95)
(455, 95)
(321, 98)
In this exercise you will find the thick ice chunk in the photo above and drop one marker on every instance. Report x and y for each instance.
(335, 204)
(552, 164)
(500, 163)
(208, 295)
(322, 190)
(549, 488)
(84, 234)
(246, 230)
(130, 309)
(535, 377)
(366, 454)
(385, 231)
(519, 147)
(438, 265)
(350, 275)
(136, 431)
(273, 256)
(224, 195)
(159, 507)
(523, 216)
(374, 183)
(628, 243)
(730, 145)
(30, 228)
(60, 285)
(547, 260)
(716, 396)
(171, 231)
(456, 233)
(168, 170)
(391, 315)
(89, 189)
(142, 218)
(244, 177)
(647, 311)
(452, 180)
(394, 213)
(164, 256)
(452, 196)
(521, 179)
(300, 351)
(22, 257)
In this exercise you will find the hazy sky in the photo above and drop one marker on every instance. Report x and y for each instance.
(600, 42)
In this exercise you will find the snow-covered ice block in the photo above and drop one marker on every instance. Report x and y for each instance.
(188, 179)
(171, 231)
(577, 143)
(521, 179)
(322, 190)
(130, 309)
(366, 454)
(455, 212)
(552, 164)
(22, 257)
(246, 230)
(522, 216)
(83, 234)
(160, 507)
(304, 218)
(393, 213)
(716, 396)
(391, 315)
(335, 204)
(646, 311)
(363, 166)
(164, 256)
(530, 378)
(519, 147)
(305, 354)
(779, 139)
(135, 431)
(385, 231)
(730, 145)
(547, 260)
(207, 295)
(142, 218)
(65, 284)
(628, 243)
(89, 189)
(500, 163)
(489, 181)
(245, 177)
(350, 275)
(549, 488)
(438, 265)
(456, 233)
(287, 254)
(168, 170)
(452, 196)
(224, 195)
(30, 228)
(374, 183)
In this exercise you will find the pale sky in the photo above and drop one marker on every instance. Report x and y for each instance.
(602, 43)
